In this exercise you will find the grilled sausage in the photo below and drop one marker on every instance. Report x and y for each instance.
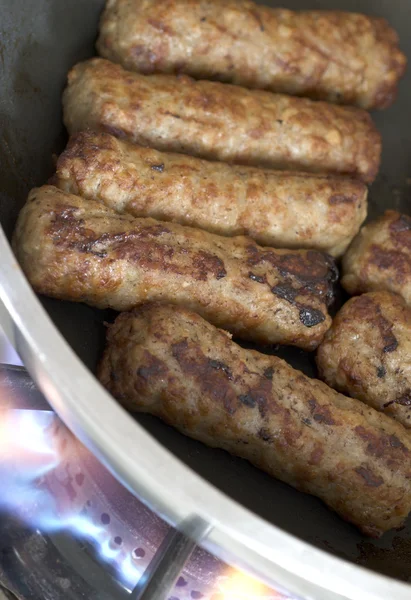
(328, 55)
(367, 353)
(218, 121)
(76, 249)
(379, 258)
(169, 362)
(270, 206)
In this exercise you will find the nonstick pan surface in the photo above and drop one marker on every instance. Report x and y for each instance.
(39, 42)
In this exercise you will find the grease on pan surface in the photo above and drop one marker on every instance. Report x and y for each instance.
(269, 206)
(171, 363)
(79, 250)
(221, 122)
(380, 257)
(329, 55)
(367, 353)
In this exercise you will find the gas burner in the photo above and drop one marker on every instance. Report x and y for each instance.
(69, 530)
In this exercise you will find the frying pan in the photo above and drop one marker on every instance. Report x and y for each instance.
(282, 535)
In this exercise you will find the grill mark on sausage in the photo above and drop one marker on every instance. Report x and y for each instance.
(220, 366)
(383, 446)
(309, 316)
(151, 366)
(366, 307)
(394, 260)
(211, 381)
(137, 245)
(206, 263)
(370, 479)
(320, 413)
(268, 373)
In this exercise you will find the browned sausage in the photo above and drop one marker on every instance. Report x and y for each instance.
(270, 206)
(328, 55)
(169, 362)
(79, 250)
(379, 258)
(367, 353)
(218, 121)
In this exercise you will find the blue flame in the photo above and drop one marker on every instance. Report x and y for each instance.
(30, 457)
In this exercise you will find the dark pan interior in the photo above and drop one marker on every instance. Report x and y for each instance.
(39, 41)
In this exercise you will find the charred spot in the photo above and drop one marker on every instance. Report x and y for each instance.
(159, 167)
(392, 346)
(170, 114)
(279, 121)
(321, 414)
(285, 291)
(247, 400)
(268, 373)
(265, 435)
(370, 479)
(205, 264)
(393, 260)
(203, 19)
(257, 278)
(151, 367)
(310, 317)
(366, 307)
(342, 199)
(220, 366)
(381, 445)
(212, 382)
(381, 372)
(307, 422)
(403, 400)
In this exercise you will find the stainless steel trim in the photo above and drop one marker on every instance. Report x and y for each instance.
(169, 560)
(156, 476)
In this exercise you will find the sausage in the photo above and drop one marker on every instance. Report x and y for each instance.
(269, 206)
(379, 258)
(79, 250)
(219, 121)
(169, 362)
(328, 55)
(367, 353)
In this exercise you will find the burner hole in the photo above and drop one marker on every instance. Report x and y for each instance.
(105, 518)
(88, 502)
(118, 540)
(138, 553)
(181, 582)
(196, 595)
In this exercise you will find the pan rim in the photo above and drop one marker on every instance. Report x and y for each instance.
(154, 474)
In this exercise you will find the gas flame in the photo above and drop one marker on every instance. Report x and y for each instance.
(39, 472)
(35, 451)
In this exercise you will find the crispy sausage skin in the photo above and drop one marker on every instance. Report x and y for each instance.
(379, 258)
(367, 353)
(169, 362)
(222, 122)
(269, 206)
(328, 55)
(79, 250)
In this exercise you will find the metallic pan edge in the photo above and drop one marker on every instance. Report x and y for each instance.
(155, 475)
